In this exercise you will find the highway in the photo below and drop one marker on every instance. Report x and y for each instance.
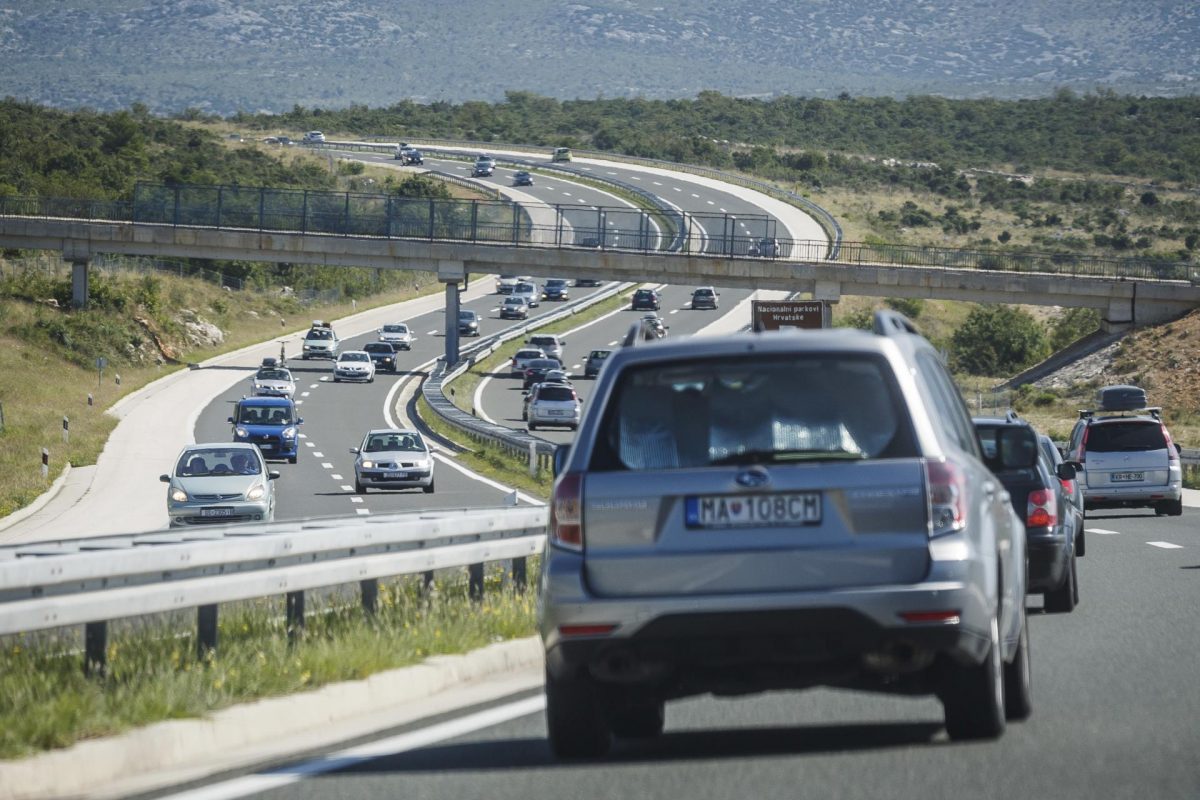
(1115, 716)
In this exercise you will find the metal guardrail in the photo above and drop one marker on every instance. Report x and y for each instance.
(92, 581)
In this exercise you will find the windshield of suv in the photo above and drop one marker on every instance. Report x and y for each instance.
(395, 329)
(354, 357)
(319, 333)
(273, 375)
(725, 411)
(556, 393)
(1128, 437)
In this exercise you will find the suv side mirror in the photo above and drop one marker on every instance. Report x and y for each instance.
(560, 458)
(1065, 471)
(229, 419)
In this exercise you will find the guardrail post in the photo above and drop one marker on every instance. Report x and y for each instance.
(295, 616)
(518, 574)
(220, 198)
(533, 458)
(175, 213)
(370, 595)
(474, 220)
(431, 217)
(516, 223)
(558, 226)
(262, 207)
(427, 584)
(304, 214)
(475, 582)
(206, 631)
(95, 648)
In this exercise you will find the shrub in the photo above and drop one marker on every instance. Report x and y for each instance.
(997, 340)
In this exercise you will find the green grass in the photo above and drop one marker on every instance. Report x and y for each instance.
(154, 673)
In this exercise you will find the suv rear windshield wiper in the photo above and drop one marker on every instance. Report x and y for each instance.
(776, 456)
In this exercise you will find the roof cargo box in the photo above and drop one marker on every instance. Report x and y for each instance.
(1121, 398)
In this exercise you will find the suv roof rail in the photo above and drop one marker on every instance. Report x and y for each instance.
(1086, 413)
(890, 323)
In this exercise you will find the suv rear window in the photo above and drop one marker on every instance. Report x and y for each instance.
(556, 393)
(734, 411)
(1128, 437)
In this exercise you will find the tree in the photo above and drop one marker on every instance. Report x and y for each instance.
(1071, 324)
(998, 340)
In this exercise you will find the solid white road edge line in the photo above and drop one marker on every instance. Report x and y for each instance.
(401, 743)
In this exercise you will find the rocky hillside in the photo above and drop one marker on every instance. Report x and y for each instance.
(249, 55)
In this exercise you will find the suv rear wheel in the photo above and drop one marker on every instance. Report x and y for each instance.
(1018, 680)
(973, 695)
(639, 721)
(1063, 599)
(1170, 508)
(575, 719)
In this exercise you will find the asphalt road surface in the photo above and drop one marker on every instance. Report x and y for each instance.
(1116, 712)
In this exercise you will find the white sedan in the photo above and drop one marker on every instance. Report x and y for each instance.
(354, 365)
(397, 334)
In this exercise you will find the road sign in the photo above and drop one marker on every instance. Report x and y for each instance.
(773, 315)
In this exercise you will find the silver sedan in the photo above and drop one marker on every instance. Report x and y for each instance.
(393, 458)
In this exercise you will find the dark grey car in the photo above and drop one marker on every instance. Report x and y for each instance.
(779, 511)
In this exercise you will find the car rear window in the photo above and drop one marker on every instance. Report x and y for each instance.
(1126, 437)
(768, 409)
(556, 393)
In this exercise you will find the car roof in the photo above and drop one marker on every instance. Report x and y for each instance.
(374, 431)
(268, 401)
(218, 446)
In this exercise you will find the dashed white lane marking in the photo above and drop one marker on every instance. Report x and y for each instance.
(1166, 545)
(568, 194)
(432, 332)
(610, 172)
(362, 512)
(1102, 531)
(695, 195)
(612, 343)
(676, 188)
(309, 444)
(347, 487)
(299, 402)
(315, 386)
(712, 203)
(318, 455)
(657, 183)
(336, 477)
(635, 177)
(304, 436)
(326, 465)
(305, 394)
(674, 311)
(356, 499)
(723, 211)
(576, 366)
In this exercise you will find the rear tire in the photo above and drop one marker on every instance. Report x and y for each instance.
(1081, 542)
(533, 426)
(358, 487)
(428, 489)
(642, 721)
(1062, 600)
(291, 459)
(575, 720)
(973, 696)
(1018, 679)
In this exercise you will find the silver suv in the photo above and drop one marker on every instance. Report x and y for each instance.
(1129, 461)
(779, 511)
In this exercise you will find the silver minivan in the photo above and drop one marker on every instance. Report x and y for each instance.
(1129, 461)
(551, 344)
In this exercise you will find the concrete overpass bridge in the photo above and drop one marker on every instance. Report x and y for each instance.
(455, 238)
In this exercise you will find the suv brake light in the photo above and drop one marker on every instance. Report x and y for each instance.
(947, 492)
(566, 512)
(1172, 453)
(1083, 444)
(1042, 509)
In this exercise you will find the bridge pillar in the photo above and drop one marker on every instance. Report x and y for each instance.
(830, 291)
(79, 283)
(450, 273)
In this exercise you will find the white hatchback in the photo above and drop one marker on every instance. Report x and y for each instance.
(397, 334)
(354, 365)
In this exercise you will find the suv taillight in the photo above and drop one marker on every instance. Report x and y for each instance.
(566, 512)
(1172, 454)
(947, 488)
(1042, 509)
(1083, 444)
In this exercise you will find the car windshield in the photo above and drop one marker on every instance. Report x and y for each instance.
(1125, 437)
(273, 375)
(320, 333)
(526, 287)
(409, 441)
(264, 415)
(379, 347)
(216, 462)
(354, 357)
(514, 301)
(703, 292)
(395, 329)
(744, 411)
(466, 315)
(544, 364)
(599, 354)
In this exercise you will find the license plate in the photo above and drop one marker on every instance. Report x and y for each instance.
(753, 511)
(216, 512)
(1128, 476)
(554, 413)
(395, 475)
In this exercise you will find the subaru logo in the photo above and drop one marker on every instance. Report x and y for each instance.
(753, 477)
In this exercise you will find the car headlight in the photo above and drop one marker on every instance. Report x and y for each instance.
(258, 387)
(241, 432)
(179, 495)
(288, 433)
(366, 464)
(256, 493)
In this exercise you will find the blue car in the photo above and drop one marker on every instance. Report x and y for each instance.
(269, 422)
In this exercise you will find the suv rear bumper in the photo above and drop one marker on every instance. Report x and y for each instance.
(1132, 496)
(762, 641)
